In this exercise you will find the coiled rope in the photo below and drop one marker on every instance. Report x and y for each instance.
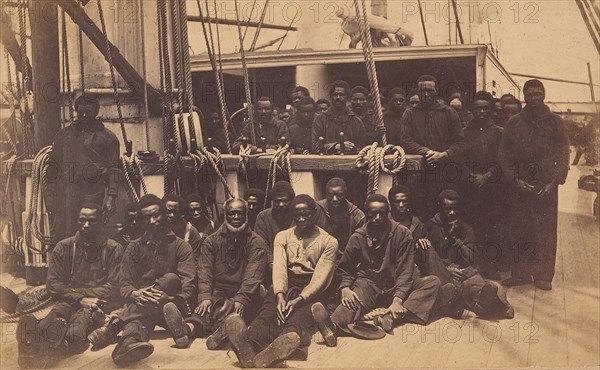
(371, 161)
(37, 204)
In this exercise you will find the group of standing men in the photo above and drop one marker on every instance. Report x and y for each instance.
(263, 280)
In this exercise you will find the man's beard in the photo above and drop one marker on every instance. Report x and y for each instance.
(235, 230)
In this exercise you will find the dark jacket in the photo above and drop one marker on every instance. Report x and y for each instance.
(456, 245)
(272, 133)
(77, 269)
(339, 230)
(267, 228)
(146, 260)
(232, 262)
(393, 125)
(437, 128)
(300, 135)
(190, 234)
(535, 150)
(370, 122)
(329, 125)
(482, 145)
(390, 265)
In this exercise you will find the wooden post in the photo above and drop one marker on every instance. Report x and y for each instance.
(591, 82)
(46, 74)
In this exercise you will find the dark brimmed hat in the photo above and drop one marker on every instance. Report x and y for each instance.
(364, 330)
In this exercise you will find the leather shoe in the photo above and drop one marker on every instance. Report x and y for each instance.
(179, 330)
(323, 320)
(283, 346)
(237, 332)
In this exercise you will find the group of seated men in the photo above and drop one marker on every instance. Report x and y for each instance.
(265, 280)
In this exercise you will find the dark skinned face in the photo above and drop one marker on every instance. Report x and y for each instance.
(399, 203)
(339, 98)
(359, 103)
(281, 204)
(285, 117)
(304, 216)
(427, 92)
(264, 112)
(396, 102)
(195, 210)
(235, 214)
(511, 109)
(306, 113)
(336, 196)
(450, 209)
(322, 108)
(534, 97)
(377, 213)
(414, 100)
(254, 205)
(87, 112)
(89, 223)
(296, 97)
(175, 213)
(152, 218)
(481, 110)
(131, 219)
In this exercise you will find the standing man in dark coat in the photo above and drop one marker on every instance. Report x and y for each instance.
(265, 125)
(231, 267)
(534, 155)
(83, 278)
(198, 215)
(378, 269)
(157, 268)
(393, 117)
(83, 167)
(300, 126)
(337, 215)
(337, 119)
(359, 101)
(482, 186)
(433, 130)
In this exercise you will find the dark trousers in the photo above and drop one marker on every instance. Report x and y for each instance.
(535, 235)
(265, 328)
(80, 323)
(137, 317)
(419, 303)
(206, 325)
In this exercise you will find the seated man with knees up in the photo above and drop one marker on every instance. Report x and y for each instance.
(83, 278)
(174, 206)
(454, 242)
(230, 269)
(303, 266)
(337, 215)
(255, 198)
(157, 268)
(378, 269)
(198, 215)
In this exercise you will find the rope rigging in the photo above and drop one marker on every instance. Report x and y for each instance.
(37, 205)
(371, 161)
(363, 22)
(67, 70)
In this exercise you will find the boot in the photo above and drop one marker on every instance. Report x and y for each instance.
(283, 346)
(324, 323)
(237, 332)
(179, 330)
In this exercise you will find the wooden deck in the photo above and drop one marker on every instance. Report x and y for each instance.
(558, 328)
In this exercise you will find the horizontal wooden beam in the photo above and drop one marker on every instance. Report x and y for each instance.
(231, 22)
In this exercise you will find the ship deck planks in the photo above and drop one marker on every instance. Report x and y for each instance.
(551, 328)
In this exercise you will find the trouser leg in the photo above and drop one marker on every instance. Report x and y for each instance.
(546, 235)
(51, 330)
(265, 327)
(80, 326)
(421, 300)
(367, 292)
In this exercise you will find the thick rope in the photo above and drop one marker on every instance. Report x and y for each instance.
(214, 159)
(112, 72)
(246, 79)
(37, 204)
(371, 161)
(189, 91)
(260, 25)
(281, 159)
(178, 77)
(67, 69)
(367, 44)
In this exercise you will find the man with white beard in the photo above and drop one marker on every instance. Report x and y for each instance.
(231, 266)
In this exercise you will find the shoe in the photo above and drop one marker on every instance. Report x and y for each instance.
(30, 347)
(300, 354)
(283, 346)
(105, 336)
(449, 302)
(543, 284)
(237, 332)
(55, 334)
(386, 322)
(179, 330)
(489, 303)
(216, 339)
(132, 353)
(515, 281)
(323, 320)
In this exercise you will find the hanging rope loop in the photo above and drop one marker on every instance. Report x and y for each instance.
(371, 161)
